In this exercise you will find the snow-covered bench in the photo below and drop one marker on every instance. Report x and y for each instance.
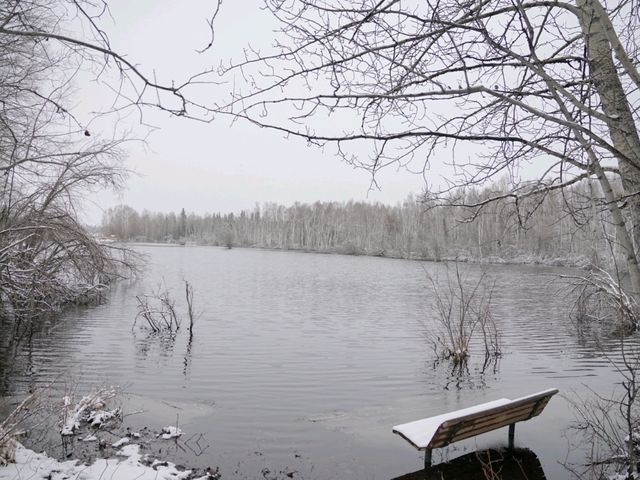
(441, 430)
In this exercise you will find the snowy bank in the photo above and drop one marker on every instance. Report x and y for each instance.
(130, 465)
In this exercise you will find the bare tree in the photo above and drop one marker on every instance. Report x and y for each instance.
(159, 312)
(609, 425)
(492, 85)
(462, 308)
(50, 159)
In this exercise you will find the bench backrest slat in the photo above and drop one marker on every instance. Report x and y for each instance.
(484, 421)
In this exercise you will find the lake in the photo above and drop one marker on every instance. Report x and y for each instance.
(301, 363)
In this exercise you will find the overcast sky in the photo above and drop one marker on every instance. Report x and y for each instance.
(218, 167)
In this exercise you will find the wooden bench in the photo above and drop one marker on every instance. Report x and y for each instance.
(442, 430)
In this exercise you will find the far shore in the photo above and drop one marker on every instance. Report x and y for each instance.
(577, 261)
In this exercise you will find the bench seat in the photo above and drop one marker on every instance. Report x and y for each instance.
(442, 430)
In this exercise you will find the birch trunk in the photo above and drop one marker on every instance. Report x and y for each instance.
(622, 130)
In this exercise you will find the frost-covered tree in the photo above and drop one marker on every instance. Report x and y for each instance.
(49, 157)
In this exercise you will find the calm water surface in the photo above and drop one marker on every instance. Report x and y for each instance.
(304, 362)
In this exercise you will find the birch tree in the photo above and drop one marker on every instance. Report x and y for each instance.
(493, 89)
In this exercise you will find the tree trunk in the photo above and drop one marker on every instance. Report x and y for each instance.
(621, 126)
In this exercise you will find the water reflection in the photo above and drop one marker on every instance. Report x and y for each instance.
(516, 464)
(471, 373)
(17, 351)
(162, 345)
(187, 358)
(154, 344)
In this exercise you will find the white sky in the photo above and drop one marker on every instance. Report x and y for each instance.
(218, 167)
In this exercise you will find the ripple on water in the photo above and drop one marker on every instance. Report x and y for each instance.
(304, 352)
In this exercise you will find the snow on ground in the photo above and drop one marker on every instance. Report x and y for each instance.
(120, 442)
(98, 418)
(88, 415)
(32, 465)
(170, 432)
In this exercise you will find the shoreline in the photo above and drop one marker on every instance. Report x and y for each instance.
(578, 261)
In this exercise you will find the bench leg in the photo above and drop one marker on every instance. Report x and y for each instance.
(512, 432)
(427, 458)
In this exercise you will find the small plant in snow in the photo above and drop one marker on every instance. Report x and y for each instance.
(170, 432)
(11, 427)
(89, 409)
(7, 447)
(98, 418)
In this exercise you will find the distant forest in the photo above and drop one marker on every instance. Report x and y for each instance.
(561, 227)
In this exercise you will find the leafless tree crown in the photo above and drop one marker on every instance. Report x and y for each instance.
(487, 87)
(51, 157)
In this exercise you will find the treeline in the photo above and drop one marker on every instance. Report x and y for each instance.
(559, 227)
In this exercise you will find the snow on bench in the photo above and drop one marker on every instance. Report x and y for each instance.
(442, 430)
